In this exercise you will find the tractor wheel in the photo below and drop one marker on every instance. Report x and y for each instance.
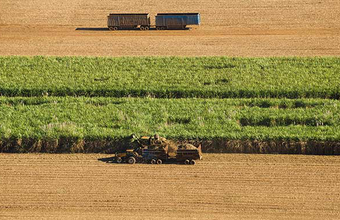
(159, 161)
(186, 162)
(119, 160)
(153, 161)
(131, 160)
(192, 162)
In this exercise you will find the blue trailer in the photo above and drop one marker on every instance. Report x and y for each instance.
(176, 20)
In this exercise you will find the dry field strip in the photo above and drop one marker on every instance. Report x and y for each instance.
(222, 186)
(231, 28)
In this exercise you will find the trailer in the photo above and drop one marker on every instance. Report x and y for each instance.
(188, 154)
(155, 156)
(128, 21)
(185, 154)
(176, 20)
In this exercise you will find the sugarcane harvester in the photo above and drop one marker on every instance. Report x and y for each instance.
(157, 150)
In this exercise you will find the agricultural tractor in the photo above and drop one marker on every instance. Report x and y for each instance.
(129, 156)
(157, 150)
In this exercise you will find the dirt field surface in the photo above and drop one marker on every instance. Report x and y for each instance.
(222, 186)
(228, 27)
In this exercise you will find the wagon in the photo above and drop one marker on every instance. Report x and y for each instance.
(188, 155)
(128, 21)
(176, 20)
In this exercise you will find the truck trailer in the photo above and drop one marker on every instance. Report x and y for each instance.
(176, 20)
(141, 21)
(128, 21)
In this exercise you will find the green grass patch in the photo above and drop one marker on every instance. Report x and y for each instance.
(171, 77)
(111, 118)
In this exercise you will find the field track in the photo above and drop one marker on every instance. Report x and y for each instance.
(222, 186)
(230, 28)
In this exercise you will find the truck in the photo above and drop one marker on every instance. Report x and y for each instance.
(158, 150)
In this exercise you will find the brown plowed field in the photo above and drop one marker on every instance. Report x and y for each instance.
(229, 27)
(222, 186)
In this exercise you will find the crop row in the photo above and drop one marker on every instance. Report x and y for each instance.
(171, 77)
(237, 119)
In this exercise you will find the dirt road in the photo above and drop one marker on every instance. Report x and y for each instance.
(222, 186)
(231, 28)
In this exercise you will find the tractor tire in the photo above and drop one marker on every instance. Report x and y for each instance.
(186, 162)
(119, 160)
(192, 162)
(153, 161)
(132, 160)
(159, 161)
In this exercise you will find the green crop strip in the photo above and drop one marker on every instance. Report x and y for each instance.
(171, 77)
(61, 104)
(237, 119)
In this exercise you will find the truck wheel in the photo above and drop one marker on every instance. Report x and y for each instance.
(186, 162)
(119, 160)
(192, 162)
(113, 28)
(131, 160)
(153, 161)
(159, 161)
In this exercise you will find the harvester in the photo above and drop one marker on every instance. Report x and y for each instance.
(158, 150)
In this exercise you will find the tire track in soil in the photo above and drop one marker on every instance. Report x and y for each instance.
(228, 28)
(221, 186)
